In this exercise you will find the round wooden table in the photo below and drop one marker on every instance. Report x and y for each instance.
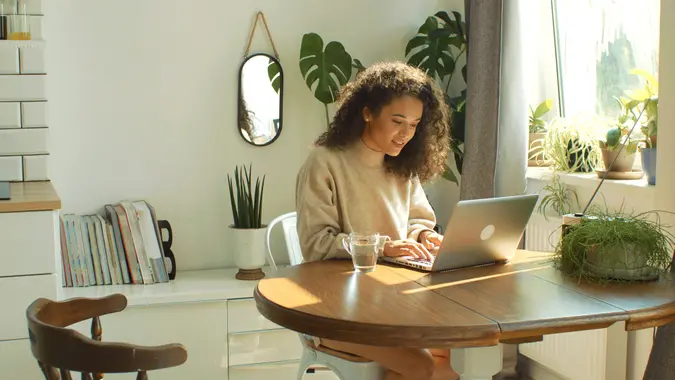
(470, 311)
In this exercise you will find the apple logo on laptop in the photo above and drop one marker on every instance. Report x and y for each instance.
(487, 232)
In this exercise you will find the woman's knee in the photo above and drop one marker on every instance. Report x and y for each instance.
(421, 367)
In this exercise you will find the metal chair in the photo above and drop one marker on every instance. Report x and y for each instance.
(345, 366)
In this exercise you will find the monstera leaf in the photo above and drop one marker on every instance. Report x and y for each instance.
(432, 46)
(275, 75)
(327, 69)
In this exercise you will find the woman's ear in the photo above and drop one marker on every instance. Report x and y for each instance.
(367, 115)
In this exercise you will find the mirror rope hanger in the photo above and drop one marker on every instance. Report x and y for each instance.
(258, 16)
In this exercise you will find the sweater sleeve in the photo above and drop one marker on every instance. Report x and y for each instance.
(318, 223)
(421, 217)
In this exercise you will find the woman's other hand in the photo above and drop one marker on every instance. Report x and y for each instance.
(406, 248)
(431, 240)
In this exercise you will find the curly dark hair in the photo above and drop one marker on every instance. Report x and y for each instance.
(425, 155)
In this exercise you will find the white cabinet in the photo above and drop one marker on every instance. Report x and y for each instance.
(27, 242)
(16, 294)
(199, 326)
(276, 371)
(16, 361)
(264, 347)
(243, 315)
(262, 350)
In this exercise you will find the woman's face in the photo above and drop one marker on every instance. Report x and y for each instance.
(394, 126)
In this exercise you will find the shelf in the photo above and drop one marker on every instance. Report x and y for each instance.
(31, 196)
(638, 187)
(22, 43)
(189, 286)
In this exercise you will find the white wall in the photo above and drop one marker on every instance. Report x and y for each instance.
(143, 102)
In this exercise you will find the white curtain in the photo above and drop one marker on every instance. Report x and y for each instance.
(513, 101)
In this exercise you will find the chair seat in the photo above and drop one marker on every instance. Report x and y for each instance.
(338, 354)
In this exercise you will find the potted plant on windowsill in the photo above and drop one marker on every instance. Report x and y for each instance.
(537, 130)
(614, 246)
(247, 231)
(571, 144)
(618, 147)
(647, 99)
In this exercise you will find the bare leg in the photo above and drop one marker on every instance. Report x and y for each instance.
(401, 363)
(443, 369)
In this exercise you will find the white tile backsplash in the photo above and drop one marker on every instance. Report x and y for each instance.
(34, 114)
(9, 59)
(36, 27)
(24, 119)
(22, 87)
(23, 141)
(10, 115)
(32, 7)
(32, 59)
(35, 168)
(10, 168)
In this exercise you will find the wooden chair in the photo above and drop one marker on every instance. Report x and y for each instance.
(60, 350)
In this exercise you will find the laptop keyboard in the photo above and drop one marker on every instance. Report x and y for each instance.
(421, 261)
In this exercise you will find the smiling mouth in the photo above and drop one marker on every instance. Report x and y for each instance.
(398, 143)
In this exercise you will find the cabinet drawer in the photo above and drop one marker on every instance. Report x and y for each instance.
(199, 326)
(276, 371)
(27, 242)
(264, 347)
(17, 361)
(242, 315)
(16, 294)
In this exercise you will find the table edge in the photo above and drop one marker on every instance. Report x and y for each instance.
(379, 335)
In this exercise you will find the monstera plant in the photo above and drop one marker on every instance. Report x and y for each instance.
(273, 71)
(436, 49)
(325, 70)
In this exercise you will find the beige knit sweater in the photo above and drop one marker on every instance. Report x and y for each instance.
(343, 191)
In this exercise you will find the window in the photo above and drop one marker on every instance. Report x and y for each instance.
(599, 42)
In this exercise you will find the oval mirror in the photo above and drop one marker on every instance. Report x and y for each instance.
(260, 99)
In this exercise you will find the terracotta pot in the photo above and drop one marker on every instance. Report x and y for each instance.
(622, 164)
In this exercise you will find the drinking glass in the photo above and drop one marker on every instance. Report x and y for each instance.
(364, 249)
(19, 27)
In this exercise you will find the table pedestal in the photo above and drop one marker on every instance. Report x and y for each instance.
(477, 363)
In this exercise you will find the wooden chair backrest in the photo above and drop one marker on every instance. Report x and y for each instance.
(60, 350)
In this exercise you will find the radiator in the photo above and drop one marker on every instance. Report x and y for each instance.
(579, 355)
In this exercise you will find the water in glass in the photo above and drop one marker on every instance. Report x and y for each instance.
(364, 250)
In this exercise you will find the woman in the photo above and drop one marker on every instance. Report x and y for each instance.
(389, 135)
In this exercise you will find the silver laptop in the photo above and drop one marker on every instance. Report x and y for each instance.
(479, 232)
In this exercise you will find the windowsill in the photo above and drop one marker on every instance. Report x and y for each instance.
(591, 180)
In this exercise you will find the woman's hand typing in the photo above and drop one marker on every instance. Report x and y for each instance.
(431, 240)
(406, 248)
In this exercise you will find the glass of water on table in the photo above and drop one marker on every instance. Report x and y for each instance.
(364, 249)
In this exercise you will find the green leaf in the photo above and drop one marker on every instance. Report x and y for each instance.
(450, 176)
(328, 69)
(232, 202)
(432, 49)
(246, 200)
(358, 66)
(543, 108)
(274, 74)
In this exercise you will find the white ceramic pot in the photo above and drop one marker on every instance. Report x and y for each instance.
(248, 247)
